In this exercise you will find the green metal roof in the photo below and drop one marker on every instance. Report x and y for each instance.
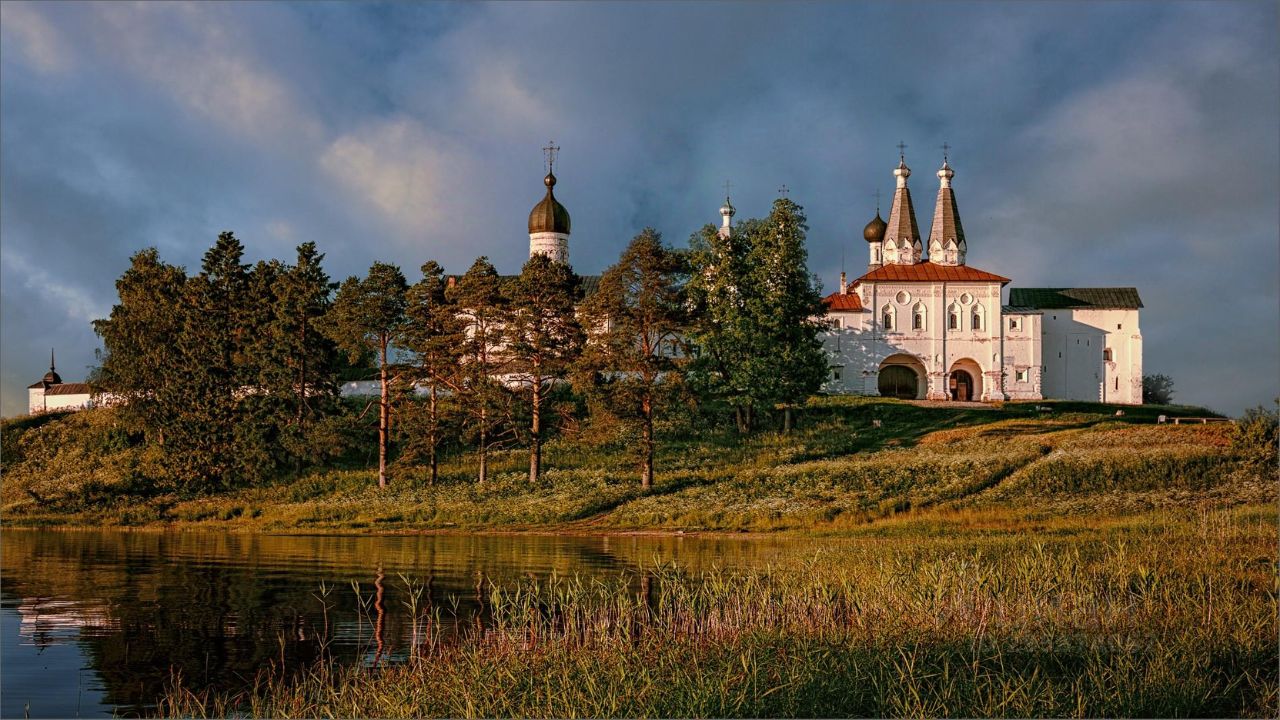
(1122, 298)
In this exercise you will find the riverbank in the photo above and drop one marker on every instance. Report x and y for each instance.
(1172, 617)
(852, 465)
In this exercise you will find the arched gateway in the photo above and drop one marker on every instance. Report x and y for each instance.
(965, 381)
(901, 376)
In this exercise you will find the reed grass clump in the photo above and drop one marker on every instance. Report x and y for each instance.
(1174, 618)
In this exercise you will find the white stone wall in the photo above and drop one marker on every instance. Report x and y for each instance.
(1075, 345)
(859, 343)
(1023, 371)
(553, 245)
(38, 403)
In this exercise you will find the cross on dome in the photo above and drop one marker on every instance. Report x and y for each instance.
(549, 154)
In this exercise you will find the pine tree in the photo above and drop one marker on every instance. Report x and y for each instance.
(481, 304)
(434, 333)
(632, 364)
(367, 315)
(543, 339)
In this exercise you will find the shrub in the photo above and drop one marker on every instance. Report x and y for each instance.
(1255, 438)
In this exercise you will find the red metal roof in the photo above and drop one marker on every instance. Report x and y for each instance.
(929, 272)
(843, 303)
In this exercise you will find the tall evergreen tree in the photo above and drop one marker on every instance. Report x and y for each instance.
(543, 338)
(296, 362)
(367, 315)
(786, 310)
(435, 334)
(212, 367)
(139, 363)
(633, 361)
(481, 304)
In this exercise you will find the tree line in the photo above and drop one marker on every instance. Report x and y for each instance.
(231, 375)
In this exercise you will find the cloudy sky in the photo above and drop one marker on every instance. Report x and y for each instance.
(1094, 144)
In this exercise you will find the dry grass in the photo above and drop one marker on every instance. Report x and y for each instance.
(1172, 617)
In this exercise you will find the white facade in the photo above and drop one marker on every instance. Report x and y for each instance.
(58, 398)
(947, 334)
(1093, 355)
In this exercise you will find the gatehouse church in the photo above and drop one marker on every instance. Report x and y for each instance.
(933, 327)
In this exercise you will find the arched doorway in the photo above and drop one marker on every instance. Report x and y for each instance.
(961, 386)
(900, 377)
(964, 382)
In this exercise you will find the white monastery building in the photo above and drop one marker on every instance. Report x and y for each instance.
(932, 327)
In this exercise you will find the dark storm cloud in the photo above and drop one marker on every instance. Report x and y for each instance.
(1094, 144)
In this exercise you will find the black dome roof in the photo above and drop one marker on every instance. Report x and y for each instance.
(549, 215)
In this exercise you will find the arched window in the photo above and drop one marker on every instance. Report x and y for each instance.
(953, 318)
(917, 317)
(950, 253)
(886, 313)
(1106, 355)
(978, 319)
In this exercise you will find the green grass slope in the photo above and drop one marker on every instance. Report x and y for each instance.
(851, 463)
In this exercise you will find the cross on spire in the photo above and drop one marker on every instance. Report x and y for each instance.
(549, 154)
(945, 149)
(877, 201)
(727, 185)
(902, 151)
(50, 359)
(784, 190)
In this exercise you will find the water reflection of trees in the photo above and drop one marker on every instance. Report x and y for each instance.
(218, 608)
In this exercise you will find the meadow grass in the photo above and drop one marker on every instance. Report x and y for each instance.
(852, 461)
(1173, 616)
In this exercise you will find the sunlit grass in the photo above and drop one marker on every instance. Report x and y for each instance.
(852, 461)
(1173, 616)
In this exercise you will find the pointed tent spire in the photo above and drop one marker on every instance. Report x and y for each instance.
(946, 237)
(51, 377)
(901, 228)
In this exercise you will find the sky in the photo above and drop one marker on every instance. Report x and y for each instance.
(1094, 144)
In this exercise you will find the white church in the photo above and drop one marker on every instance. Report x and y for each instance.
(933, 327)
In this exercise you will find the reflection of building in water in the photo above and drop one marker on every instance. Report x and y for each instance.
(48, 621)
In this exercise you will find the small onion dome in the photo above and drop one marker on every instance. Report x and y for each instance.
(727, 209)
(52, 378)
(874, 231)
(946, 173)
(549, 215)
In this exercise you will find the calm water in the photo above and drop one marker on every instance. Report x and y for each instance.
(96, 622)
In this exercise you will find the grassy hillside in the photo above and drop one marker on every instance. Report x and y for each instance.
(838, 471)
